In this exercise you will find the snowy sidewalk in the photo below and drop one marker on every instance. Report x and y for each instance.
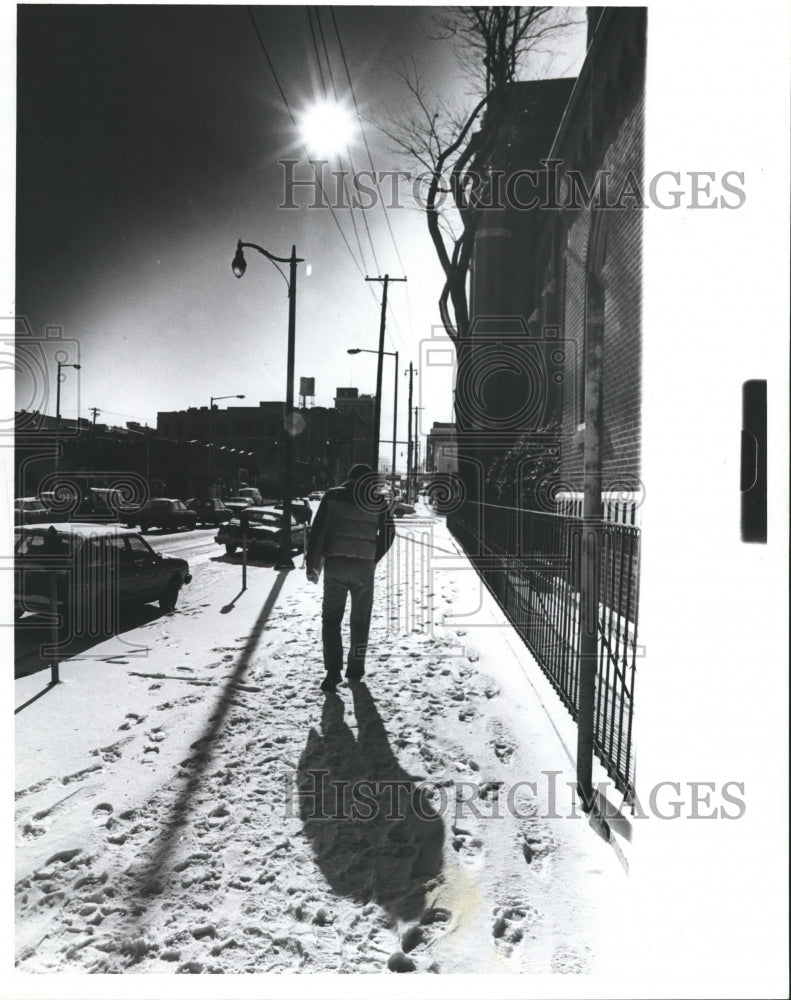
(158, 826)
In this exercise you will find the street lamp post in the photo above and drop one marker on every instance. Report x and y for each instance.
(211, 412)
(61, 364)
(393, 354)
(239, 266)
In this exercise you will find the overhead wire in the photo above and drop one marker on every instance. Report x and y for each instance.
(348, 150)
(335, 94)
(291, 115)
(374, 172)
(296, 127)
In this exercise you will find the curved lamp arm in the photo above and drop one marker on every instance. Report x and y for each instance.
(239, 264)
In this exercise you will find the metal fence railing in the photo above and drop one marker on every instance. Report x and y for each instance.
(532, 563)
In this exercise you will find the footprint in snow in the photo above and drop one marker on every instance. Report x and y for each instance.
(500, 740)
(470, 849)
(511, 924)
(132, 719)
(102, 813)
(433, 924)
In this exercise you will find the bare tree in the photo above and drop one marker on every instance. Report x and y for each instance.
(498, 45)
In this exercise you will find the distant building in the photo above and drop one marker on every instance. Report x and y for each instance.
(362, 407)
(441, 449)
(327, 440)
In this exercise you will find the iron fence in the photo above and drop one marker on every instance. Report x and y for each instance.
(532, 563)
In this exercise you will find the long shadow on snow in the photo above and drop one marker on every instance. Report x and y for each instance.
(374, 834)
(203, 749)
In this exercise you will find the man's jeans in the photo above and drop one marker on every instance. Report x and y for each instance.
(344, 576)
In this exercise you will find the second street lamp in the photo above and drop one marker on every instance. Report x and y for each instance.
(392, 354)
(211, 412)
(62, 364)
(239, 266)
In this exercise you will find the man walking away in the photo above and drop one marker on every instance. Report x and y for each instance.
(351, 532)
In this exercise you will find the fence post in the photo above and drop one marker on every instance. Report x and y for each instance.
(591, 539)
(54, 663)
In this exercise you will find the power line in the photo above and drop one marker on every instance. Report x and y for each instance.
(365, 138)
(296, 127)
(349, 200)
(370, 159)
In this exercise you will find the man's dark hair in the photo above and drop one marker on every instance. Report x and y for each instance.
(359, 470)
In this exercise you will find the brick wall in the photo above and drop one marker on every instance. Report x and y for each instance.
(606, 140)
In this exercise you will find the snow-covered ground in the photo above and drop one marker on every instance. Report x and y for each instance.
(158, 825)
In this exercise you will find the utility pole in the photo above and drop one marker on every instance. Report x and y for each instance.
(379, 364)
(409, 438)
(95, 412)
(417, 448)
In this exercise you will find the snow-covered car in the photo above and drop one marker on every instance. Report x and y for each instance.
(164, 513)
(264, 531)
(30, 510)
(251, 494)
(301, 510)
(90, 569)
(236, 504)
(210, 510)
(400, 508)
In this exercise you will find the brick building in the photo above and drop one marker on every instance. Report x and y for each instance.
(327, 440)
(589, 279)
(548, 379)
(441, 451)
(556, 277)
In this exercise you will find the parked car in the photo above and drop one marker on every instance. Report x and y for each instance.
(169, 515)
(61, 505)
(209, 510)
(91, 566)
(235, 504)
(30, 510)
(100, 505)
(264, 530)
(400, 508)
(252, 494)
(301, 510)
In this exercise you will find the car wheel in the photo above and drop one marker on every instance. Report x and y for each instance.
(170, 595)
(230, 549)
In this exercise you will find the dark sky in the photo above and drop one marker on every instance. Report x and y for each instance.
(148, 143)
